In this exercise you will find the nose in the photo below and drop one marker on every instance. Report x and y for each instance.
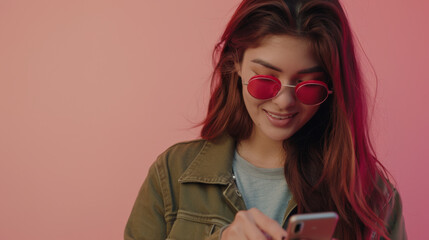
(285, 98)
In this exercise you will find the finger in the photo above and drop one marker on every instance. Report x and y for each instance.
(249, 227)
(268, 225)
(233, 231)
(243, 227)
(267, 236)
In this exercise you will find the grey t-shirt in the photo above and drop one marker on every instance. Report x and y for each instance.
(262, 188)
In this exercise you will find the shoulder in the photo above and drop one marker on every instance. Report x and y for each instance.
(197, 160)
(186, 148)
(392, 211)
(203, 151)
(393, 216)
(180, 155)
(388, 189)
(389, 192)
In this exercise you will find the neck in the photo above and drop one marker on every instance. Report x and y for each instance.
(262, 151)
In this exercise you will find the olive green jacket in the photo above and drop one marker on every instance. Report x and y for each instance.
(189, 193)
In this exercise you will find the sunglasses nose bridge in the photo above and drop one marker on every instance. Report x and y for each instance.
(286, 87)
(285, 96)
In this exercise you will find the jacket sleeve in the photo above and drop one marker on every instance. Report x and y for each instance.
(147, 216)
(394, 219)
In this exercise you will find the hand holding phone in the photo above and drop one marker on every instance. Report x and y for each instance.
(253, 224)
(312, 226)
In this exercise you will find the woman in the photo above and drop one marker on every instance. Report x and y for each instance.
(286, 132)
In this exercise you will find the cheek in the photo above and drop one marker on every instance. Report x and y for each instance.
(310, 111)
(252, 104)
(248, 102)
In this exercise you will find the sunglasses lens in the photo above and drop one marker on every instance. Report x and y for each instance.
(263, 88)
(311, 94)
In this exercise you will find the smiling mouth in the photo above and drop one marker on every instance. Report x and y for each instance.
(281, 117)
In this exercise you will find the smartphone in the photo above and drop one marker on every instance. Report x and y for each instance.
(312, 226)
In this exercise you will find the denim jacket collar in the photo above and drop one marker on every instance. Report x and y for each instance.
(213, 164)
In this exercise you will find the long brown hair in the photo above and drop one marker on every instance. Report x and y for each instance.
(330, 164)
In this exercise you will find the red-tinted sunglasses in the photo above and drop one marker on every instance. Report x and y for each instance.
(310, 92)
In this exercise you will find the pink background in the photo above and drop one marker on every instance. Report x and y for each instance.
(92, 91)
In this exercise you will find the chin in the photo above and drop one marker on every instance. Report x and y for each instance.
(279, 136)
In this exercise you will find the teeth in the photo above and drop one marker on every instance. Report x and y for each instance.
(279, 117)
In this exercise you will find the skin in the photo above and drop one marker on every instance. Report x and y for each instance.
(291, 60)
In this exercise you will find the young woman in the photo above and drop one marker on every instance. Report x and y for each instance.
(286, 132)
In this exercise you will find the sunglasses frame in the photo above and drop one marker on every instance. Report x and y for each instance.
(296, 87)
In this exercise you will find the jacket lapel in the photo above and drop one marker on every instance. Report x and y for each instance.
(213, 164)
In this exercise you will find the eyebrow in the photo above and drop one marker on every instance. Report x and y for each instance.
(303, 71)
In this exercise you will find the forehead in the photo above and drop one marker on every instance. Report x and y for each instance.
(286, 52)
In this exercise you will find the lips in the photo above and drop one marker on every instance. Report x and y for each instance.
(278, 119)
(280, 116)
